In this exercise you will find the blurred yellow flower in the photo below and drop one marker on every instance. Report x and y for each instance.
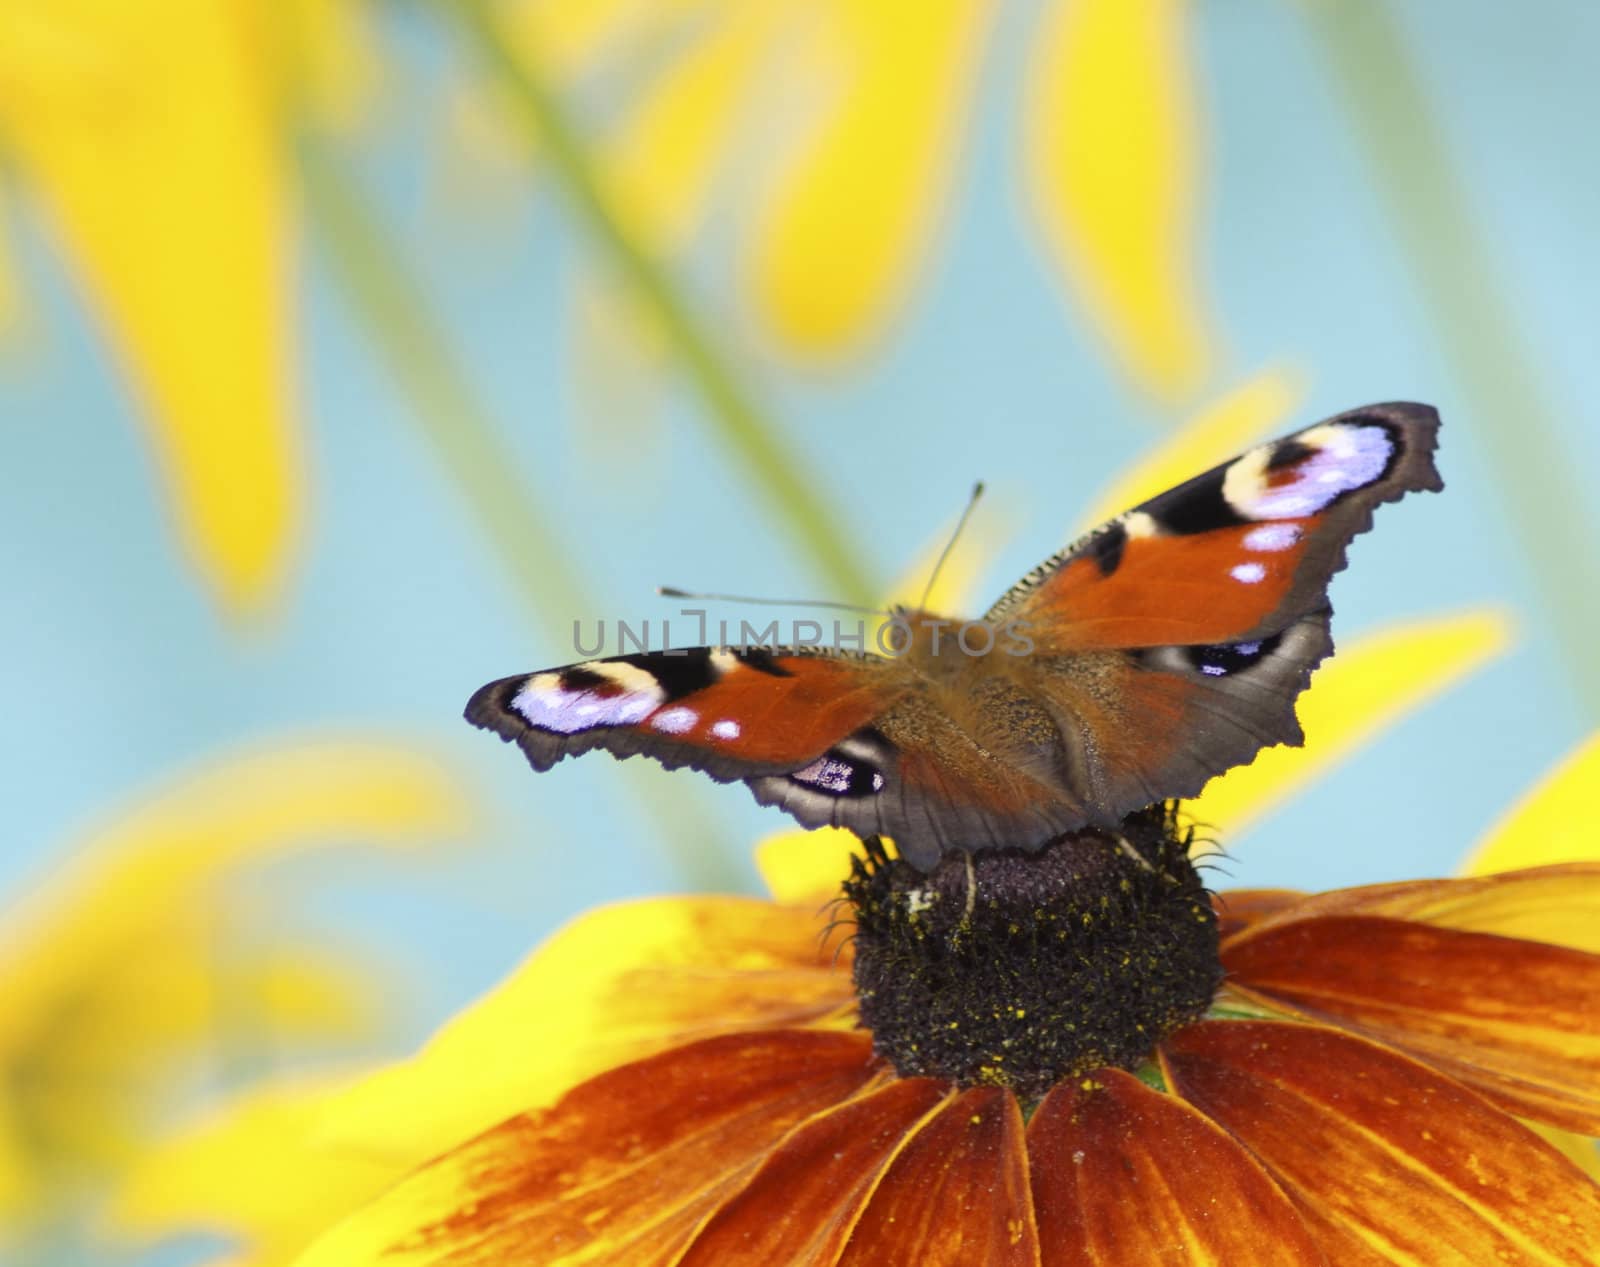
(156, 140)
(834, 133)
(145, 960)
(1112, 157)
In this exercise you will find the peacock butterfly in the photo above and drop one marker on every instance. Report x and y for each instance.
(1157, 651)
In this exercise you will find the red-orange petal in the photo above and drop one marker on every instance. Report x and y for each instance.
(1239, 909)
(621, 1170)
(956, 1195)
(1517, 1020)
(1124, 1176)
(1390, 1161)
(1558, 904)
(802, 1203)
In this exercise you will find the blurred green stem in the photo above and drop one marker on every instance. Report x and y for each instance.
(373, 270)
(738, 422)
(1472, 315)
(390, 301)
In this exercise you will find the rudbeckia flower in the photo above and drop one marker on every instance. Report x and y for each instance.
(1068, 1057)
(636, 981)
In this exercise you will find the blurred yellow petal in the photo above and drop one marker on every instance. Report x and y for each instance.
(10, 297)
(1226, 427)
(147, 132)
(133, 961)
(850, 217)
(262, 804)
(806, 868)
(1551, 823)
(618, 983)
(1372, 683)
(250, 1171)
(335, 71)
(1112, 151)
(17, 1179)
(571, 38)
(663, 163)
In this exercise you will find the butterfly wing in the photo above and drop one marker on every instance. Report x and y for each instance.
(832, 739)
(1167, 646)
(731, 712)
(1238, 553)
(1171, 643)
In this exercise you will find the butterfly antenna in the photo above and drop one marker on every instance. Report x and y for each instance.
(966, 514)
(672, 591)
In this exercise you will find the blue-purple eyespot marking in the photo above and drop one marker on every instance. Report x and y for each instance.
(1325, 463)
(840, 777)
(588, 695)
(853, 767)
(629, 690)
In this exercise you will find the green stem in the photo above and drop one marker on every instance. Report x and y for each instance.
(376, 278)
(1470, 310)
(739, 424)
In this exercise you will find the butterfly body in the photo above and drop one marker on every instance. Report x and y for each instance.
(1159, 650)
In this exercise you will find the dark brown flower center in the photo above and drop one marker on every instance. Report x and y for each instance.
(1015, 969)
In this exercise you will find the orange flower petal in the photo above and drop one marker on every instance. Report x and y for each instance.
(1518, 1020)
(803, 1202)
(1123, 1175)
(616, 984)
(621, 1170)
(1558, 904)
(1390, 1162)
(1239, 909)
(957, 1194)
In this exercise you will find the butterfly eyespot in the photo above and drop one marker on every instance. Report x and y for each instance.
(853, 768)
(1218, 660)
(838, 776)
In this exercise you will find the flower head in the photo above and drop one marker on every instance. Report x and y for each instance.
(1349, 1092)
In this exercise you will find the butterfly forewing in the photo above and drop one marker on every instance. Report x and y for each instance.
(1240, 552)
